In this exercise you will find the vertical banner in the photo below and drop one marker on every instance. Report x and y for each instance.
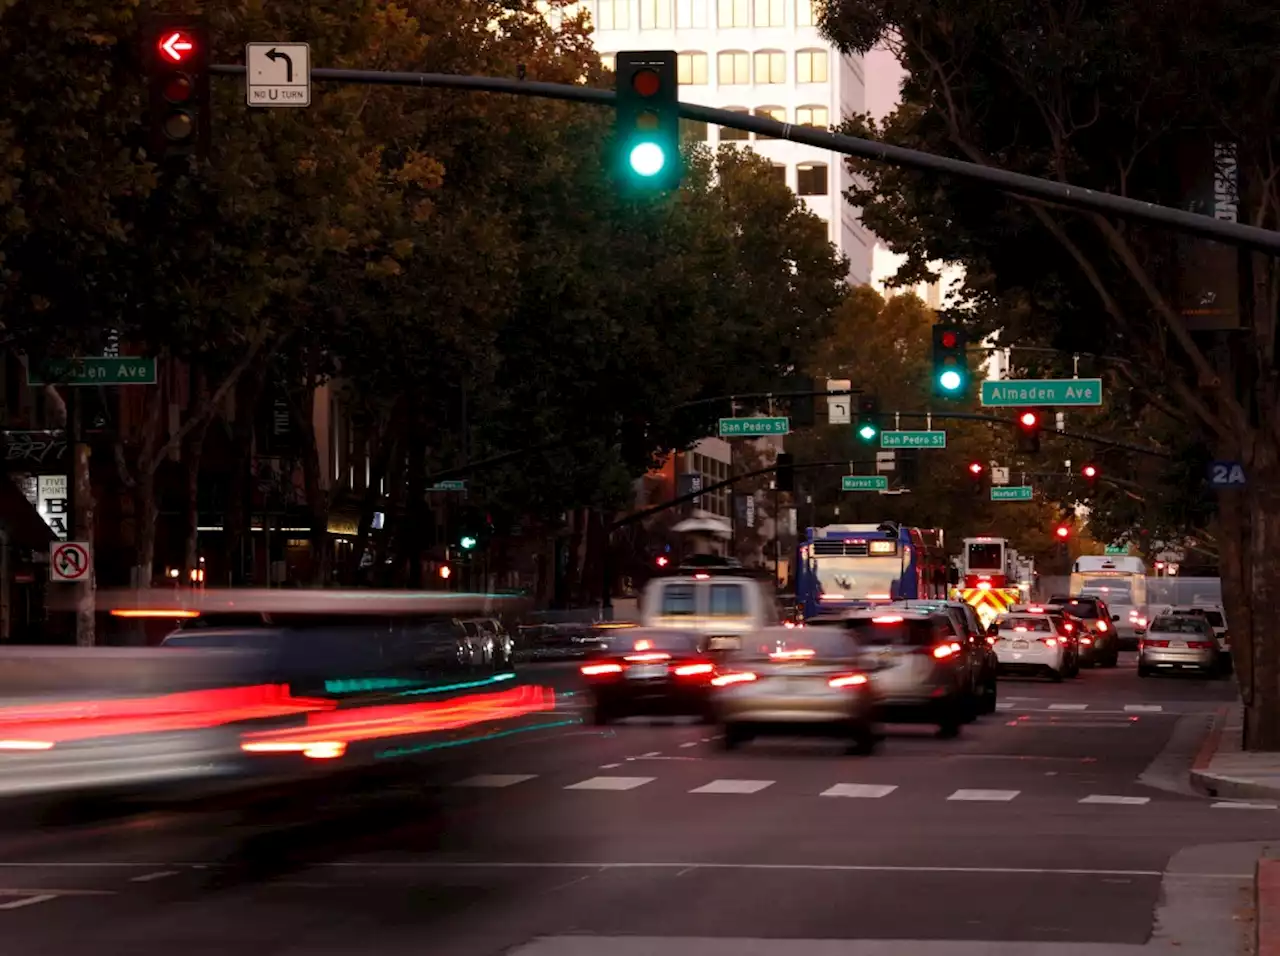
(1206, 286)
(52, 502)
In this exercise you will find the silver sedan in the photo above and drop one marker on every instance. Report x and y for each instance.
(1178, 642)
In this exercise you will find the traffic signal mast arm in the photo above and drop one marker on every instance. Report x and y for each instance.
(1062, 194)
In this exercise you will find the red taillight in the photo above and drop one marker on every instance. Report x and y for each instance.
(886, 620)
(1069, 627)
(799, 654)
(654, 658)
(848, 680)
(1201, 645)
(943, 651)
(1086, 642)
(1049, 641)
(992, 641)
(1155, 643)
(738, 677)
(692, 670)
(1021, 630)
(596, 670)
(1102, 626)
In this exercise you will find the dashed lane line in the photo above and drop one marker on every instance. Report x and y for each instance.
(28, 901)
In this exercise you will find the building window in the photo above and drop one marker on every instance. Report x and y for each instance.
(778, 113)
(811, 66)
(733, 68)
(780, 173)
(806, 16)
(811, 179)
(691, 14)
(771, 13)
(771, 67)
(730, 135)
(691, 69)
(812, 116)
(655, 14)
(615, 14)
(734, 13)
(609, 61)
(693, 131)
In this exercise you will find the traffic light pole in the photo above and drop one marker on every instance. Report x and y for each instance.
(1019, 184)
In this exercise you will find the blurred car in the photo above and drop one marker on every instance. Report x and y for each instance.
(1097, 618)
(980, 657)
(915, 660)
(1071, 632)
(796, 680)
(713, 595)
(1030, 644)
(650, 671)
(1179, 642)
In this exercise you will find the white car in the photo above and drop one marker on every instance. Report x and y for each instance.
(1029, 644)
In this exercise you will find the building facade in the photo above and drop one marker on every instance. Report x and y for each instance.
(764, 57)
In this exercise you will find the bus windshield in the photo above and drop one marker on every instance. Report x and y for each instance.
(1115, 590)
(857, 578)
(986, 557)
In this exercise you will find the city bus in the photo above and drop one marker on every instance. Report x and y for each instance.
(856, 565)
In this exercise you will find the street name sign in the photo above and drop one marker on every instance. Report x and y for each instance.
(864, 483)
(69, 561)
(1116, 549)
(452, 484)
(913, 439)
(1011, 493)
(1021, 393)
(112, 370)
(277, 74)
(753, 427)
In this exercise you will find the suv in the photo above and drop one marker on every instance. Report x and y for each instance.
(980, 656)
(916, 660)
(1097, 618)
(715, 597)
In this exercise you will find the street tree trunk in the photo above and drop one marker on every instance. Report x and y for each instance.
(1262, 702)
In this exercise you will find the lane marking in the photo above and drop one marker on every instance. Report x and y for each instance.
(691, 743)
(610, 783)
(1242, 805)
(28, 901)
(1076, 725)
(866, 791)
(652, 753)
(1117, 801)
(610, 766)
(1143, 708)
(1068, 706)
(733, 786)
(495, 780)
(1004, 705)
(148, 877)
(780, 867)
(1003, 796)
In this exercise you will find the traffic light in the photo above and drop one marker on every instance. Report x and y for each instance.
(950, 367)
(1063, 532)
(468, 542)
(867, 428)
(445, 572)
(648, 120)
(662, 561)
(975, 476)
(176, 57)
(802, 414)
(1090, 473)
(1029, 431)
(785, 472)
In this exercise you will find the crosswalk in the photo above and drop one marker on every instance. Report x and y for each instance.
(729, 786)
(1106, 708)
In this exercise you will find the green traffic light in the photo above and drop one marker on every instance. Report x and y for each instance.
(950, 380)
(867, 432)
(467, 542)
(647, 159)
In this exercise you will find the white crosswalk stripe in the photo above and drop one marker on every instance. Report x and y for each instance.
(610, 783)
(867, 791)
(1143, 708)
(1003, 796)
(1242, 805)
(733, 786)
(1005, 705)
(1116, 800)
(1068, 706)
(495, 780)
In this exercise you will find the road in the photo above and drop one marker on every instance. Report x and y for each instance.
(1050, 823)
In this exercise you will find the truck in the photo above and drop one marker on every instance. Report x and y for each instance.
(1121, 581)
(991, 577)
(843, 566)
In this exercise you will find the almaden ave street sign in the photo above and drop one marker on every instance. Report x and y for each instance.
(1019, 393)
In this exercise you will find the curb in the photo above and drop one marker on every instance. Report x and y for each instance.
(1267, 886)
(1221, 785)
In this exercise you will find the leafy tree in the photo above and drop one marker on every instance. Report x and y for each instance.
(1110, 97)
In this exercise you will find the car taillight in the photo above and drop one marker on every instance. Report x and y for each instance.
(1086, 642)
(1201, 645)
(943, 651)
(955, 646)
(653, 658)
(992, 641)
(848, 680)
(596, 670)
(1155, 643)
(1102, 626)
(1049, 641)
(737, 677)
(1069, 628)
(692, 670)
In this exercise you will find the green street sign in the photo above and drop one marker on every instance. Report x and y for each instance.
(864, 483)
(1020, 393)
(107, 370)
(1116, 549)
(451, 485)
(913, 439)
(1011, 493)
(753, 427)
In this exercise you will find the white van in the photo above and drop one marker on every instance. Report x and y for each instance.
(722, 603)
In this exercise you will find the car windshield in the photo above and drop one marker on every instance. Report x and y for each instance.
(1084, 609)
(1180, 624)
(1116, 590)
(985, 557)
(1030, 622)
(857, 578)
(826, 644)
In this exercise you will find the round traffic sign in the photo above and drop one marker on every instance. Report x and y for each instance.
(70, 561)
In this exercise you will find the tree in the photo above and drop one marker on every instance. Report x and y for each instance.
(1120, 97)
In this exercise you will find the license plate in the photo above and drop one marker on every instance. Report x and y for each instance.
(724, 643)
(646, 671)
(1020, 645)
(1178, 644)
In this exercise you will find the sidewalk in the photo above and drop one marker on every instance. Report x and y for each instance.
(1221, 770)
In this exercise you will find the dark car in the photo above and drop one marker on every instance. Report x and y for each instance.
(650, 671)
(983, 665)
(1097, 618)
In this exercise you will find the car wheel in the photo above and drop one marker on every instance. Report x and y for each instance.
(1113, 658)
(602, 716)
(990, 695)
(949, 726)
(734, 737)
(863, 741)
(1144, 671)
(1055, 676)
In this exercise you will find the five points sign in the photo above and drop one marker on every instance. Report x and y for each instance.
(69, 561)
(277, 74)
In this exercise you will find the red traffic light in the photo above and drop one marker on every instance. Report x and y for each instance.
(1089, 471)
(1029, 419)
(1062, 531)
(445, 571)
(949, 340)
(646, 82)
(663, 561)
(975, 468)
(175, 45)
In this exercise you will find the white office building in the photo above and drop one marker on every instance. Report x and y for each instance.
(764, 57)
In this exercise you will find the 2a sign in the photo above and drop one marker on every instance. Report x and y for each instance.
(1227, 474)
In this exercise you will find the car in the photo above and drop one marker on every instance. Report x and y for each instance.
(981, 657)
(1175, 642)
(1029, 643)
(796, 680)
(1212, 613)
(713, 595)
(650, 671)
(1098, 620)
(1071, 632)
(916, 661)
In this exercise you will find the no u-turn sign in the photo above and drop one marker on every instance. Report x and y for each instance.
(69, 561)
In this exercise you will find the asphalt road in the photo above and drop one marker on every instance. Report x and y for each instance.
(1052, 822)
